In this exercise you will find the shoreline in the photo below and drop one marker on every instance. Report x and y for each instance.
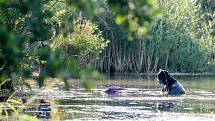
(154, 74)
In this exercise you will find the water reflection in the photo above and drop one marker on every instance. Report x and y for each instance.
(141, 99)
(165, 106)
(44, 109)
(41, 108)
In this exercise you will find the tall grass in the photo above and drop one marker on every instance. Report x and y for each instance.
(180, 40)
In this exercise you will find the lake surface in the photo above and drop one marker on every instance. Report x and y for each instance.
(141, 100)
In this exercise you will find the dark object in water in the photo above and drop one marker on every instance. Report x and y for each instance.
(45, 109)
(170, 85)
(113, 90)
(24, 100)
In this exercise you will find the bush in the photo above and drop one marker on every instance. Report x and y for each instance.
(85, 43)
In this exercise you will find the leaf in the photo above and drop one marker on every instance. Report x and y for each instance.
(121, 19)
(25, 117)
(3, 82)
(14, 110)
(1, 110)
(11, 95)
(88, 85)
(14, 101)
(6, 113)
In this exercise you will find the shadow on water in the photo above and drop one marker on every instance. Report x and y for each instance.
(141, 100)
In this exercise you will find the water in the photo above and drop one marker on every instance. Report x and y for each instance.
(142, 100)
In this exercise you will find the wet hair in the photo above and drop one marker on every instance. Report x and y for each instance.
(162, 76)
(167, 81)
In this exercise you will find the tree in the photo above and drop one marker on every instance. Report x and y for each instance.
(27, 30)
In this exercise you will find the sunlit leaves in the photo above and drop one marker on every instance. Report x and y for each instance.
(88, 84)
(7, 107)
(181, 27)
(84, 43)
(25, 117)
(121, 19)
(4, 1)
(37, 22)
(133, 14)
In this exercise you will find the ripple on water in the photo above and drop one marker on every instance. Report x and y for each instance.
(156, 117)
(132, 104)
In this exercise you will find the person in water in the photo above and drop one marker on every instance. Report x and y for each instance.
(111, 90)
(170, 85)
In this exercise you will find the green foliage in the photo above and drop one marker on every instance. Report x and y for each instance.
(135, 15)
(181, 39)
(184, 29)
(85, 42)
(24, 117)
(88, 75)
(88, 7)
(11, 47)
(21, 25)
(27, 30)
(207, 5)
(60, 37)
(9, 106)
(121, 55)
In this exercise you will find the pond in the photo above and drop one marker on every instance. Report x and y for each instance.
(141, 100)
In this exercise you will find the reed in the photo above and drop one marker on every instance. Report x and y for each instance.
(179, 40)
